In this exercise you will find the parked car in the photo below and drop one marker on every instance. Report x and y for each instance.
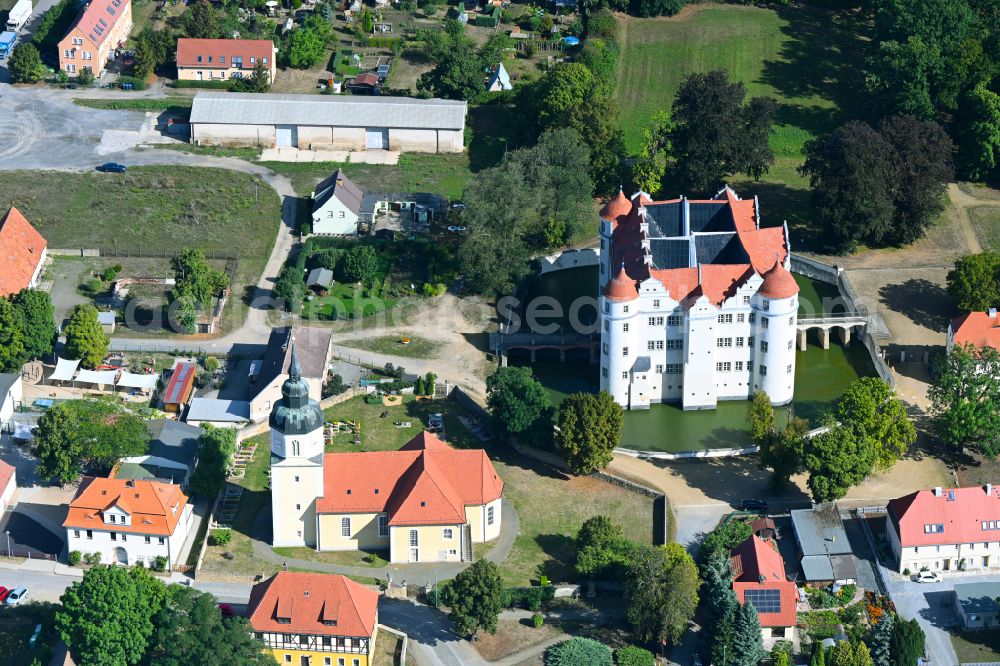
(3, 594)
(458, 206)
(753, 505)
(928, 577)
(227, 610)
(112, 167)
(455, 229)
(17, 596)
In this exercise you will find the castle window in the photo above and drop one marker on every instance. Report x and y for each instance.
(739, 366)
(753, 317)
(750, 341)
(791, 320)
(625, 309)
(740, 318)
(764, 322)
(656, 303)
(624, 351)
(604, 373)
(725, 319)
(675, 344)
(625, 328)
(789, 345)
(659, 369)
(763, 346)
(739, 342)
(625, 375)
(746, 300)
(763, 371)
(788, 370)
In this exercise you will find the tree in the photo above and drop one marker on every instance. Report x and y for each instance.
(81, 435)
(907, 642)
(650, 167)
(818, 657)
(661, 592)
(781, 452)
(965, 398)
(978, 134)
(458, 72)
(107, 617)
(601, 58)
(724, 538)
(190, 629)
(201, 21)
(836, 460)
(85, 339)
(881, 641)
(86, 76)
(186, 315)
(862, 656)
(496, 49)
(474, 597)
(38, 320)
(761, 418)
(154, 48)
(975, 282)
(215, 447)
(359, 264)
(258, 82)
(720, 610)
(748, 645)
(12, 337)
(655, 7)
(195, 278)
(304, 48)
(715, 133)
(25, 64)
(877, 417)
(850, 174)
(590, 427)
(602, 551)
(630, 655)
(578, 651)
(518, 402)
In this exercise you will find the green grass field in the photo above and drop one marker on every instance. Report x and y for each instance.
(392, 344)
(986, 223)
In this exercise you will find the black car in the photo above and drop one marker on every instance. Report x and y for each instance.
(112, 167)
(753, 505)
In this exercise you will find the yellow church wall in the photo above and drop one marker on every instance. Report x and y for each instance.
(364, 532)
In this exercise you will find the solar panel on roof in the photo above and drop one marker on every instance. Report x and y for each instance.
(765, 601)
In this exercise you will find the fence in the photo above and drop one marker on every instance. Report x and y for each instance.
(11, 548)
(128, 254)
(207, 525)
(404, 638)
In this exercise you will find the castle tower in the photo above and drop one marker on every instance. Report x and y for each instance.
(296, 461)
(776, 306)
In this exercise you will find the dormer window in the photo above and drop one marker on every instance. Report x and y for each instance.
(284, 620)
(111, 518)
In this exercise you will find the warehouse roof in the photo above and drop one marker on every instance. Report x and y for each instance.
(321, 110)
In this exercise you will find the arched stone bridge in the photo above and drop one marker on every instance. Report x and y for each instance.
(843, 323)
(502, 344)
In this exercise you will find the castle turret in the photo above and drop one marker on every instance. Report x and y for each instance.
(776, 307)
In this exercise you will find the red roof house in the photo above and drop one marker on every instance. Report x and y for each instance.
(8, 484)
(22, 253)
(979, 329)
(313, 604)
(759, 577)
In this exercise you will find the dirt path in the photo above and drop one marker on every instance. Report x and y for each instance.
(962, 201)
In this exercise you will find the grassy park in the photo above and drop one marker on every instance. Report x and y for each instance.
(417, 347)
(986, 223)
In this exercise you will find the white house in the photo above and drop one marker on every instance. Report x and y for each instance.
(697, 302)
(336, 206)
(11, 396)
(128, 521)
(979, 329)
(946, 529)
(313, 347)
(22, 254)
(8, 486)
(498, 79)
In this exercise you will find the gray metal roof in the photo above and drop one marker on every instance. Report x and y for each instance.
(174, 441)
(322, 110)
(7, 380)
(321, 277)
(817, 567)
(212, 409)
(342, 187)
(820, 531)
(978, 598)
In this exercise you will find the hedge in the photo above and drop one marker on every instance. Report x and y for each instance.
(634, 656)
(211, 85)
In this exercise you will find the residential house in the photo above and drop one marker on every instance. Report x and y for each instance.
(425, 502)
(498, 79)
(946, 529)
(976, 604)
(128, 522)
(217, 412)
(224, 59)
(11, 397)
(759, 579)
(336, 206)
(102, 27)
(172, 455)
(979, 329)
(313, 345)
(825, 552)
(697, 300)
(22, 254)
(8, 486)
(315, 619)
(180, 387)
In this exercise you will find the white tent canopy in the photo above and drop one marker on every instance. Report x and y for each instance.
(102, 377)
(64, 370)
(141, 381)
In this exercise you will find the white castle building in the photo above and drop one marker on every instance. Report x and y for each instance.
(697, 302)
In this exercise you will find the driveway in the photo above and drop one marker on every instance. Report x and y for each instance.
(928, 603)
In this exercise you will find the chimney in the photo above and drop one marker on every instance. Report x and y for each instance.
(937, 491)
(993, 313)
(989, 489)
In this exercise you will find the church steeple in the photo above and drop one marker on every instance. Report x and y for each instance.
(296, 413)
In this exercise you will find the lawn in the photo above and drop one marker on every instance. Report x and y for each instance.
(387, 650)
(986, 223)
(392, 344)
(805, 57)
(155, 210)
(341, 302)
(179, 105)
(976, 647)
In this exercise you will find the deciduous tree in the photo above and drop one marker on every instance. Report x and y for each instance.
(85, 339)
(836, 460)
(25, 64)
(965, 399)
(978, 134)
(877, 417)
(590, 427)
(975, 282)
(474, 597)
(602, 551)
(195, 278)
(517, 401)
(661, 592)
(38, 320)
(13, 353)
(359, 264)
(215, 447)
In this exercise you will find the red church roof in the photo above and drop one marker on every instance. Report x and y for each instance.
(21, 249)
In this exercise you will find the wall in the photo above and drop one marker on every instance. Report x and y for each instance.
(311, 135)
(364, 532)
(412, 140)
(7, 494)
(268, 396)
(476, 517)
(134, 544)
(9, 402)
(293, 526)
(333, 217)
(207, 134)
(430, 540)
(590, 256)
(344, 138)
(450, 141)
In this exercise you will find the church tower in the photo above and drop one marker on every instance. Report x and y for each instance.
(296, 461)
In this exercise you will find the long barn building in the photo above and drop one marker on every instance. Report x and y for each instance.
(328, 122)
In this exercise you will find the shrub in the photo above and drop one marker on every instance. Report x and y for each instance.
(537, 620)
(577, 651)
(95, 285)
(137, 84)
(634, 656)
(160, 563)
(92, 559)
(221, 536)
(305, 229)
(543, 581)
(74, 558)
(211, 363)
(846, 593)
(212, 85)
(906, 572)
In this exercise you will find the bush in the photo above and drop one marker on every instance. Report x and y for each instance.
(906, 572)
(305, 229)
(577, 651)
(211, 85)
(160, 563)
(74, 558)
(110, 273)
(221, 536)
(137, 84)
(527, 597)
(92, 559)
(95, 285)
(846, 593)
(634, 656)
(211, 363)
(537, 620)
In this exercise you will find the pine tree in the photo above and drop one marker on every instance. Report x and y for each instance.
(818, 655)
(881, 641)
(862, 657)
(720, 611)
(748, 644)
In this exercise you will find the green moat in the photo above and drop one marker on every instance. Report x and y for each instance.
(820, 376)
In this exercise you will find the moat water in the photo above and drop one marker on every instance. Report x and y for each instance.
(821, 375)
